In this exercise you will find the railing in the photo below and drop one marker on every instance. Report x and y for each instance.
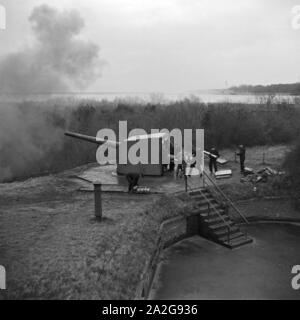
(209, 204)
(222, 196)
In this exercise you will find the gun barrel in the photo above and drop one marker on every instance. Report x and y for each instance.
(83, 137)
(95, 140)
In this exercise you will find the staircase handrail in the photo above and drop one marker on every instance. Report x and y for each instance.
(216, 187)
(214, 208)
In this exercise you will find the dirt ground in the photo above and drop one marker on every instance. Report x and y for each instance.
(256, 158)
(53, 248)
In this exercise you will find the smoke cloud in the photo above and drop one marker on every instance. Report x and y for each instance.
(28, 138)
(58, 61)
(31, 133)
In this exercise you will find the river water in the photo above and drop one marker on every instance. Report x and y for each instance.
(146, 97)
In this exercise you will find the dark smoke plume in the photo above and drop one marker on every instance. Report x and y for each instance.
(58, 61)
(28, 138)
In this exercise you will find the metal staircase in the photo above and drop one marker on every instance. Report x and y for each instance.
(213, 206)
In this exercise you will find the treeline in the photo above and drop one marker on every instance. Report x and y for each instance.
(288, 89)
(32, 137)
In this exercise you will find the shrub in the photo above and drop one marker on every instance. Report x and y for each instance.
(32, 140)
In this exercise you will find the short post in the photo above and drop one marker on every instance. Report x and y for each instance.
(98, 200)
(185, 182)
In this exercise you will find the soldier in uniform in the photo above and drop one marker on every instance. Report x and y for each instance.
(242, 154)
(133, 179)
(214, 155)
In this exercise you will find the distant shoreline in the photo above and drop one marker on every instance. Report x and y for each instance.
(216, 96)
(292, 89)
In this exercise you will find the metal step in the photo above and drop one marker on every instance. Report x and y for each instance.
(212, 204)
(202, 196)
(221, 225)
(197, 192)
(220, 233)
(204, 212)
(232, 236)
(201, 211)
(217, 219)
(238, 242)
(213, 214)
(205, 201)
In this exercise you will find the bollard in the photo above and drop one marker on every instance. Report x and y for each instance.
(98, 200)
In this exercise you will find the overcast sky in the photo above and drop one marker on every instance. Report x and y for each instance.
(177, 45)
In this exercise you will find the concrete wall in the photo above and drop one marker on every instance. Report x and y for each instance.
(170, 232)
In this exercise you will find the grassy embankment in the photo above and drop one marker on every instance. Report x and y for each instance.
(53, 248)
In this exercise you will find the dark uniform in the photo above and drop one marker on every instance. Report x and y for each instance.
(132, 179)
(181, 167)
(213, 160)
(242, 154)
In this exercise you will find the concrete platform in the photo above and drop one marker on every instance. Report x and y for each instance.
(116, 183)
(199, 269)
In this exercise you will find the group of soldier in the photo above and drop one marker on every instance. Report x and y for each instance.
(187, 163)
(214, 155)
